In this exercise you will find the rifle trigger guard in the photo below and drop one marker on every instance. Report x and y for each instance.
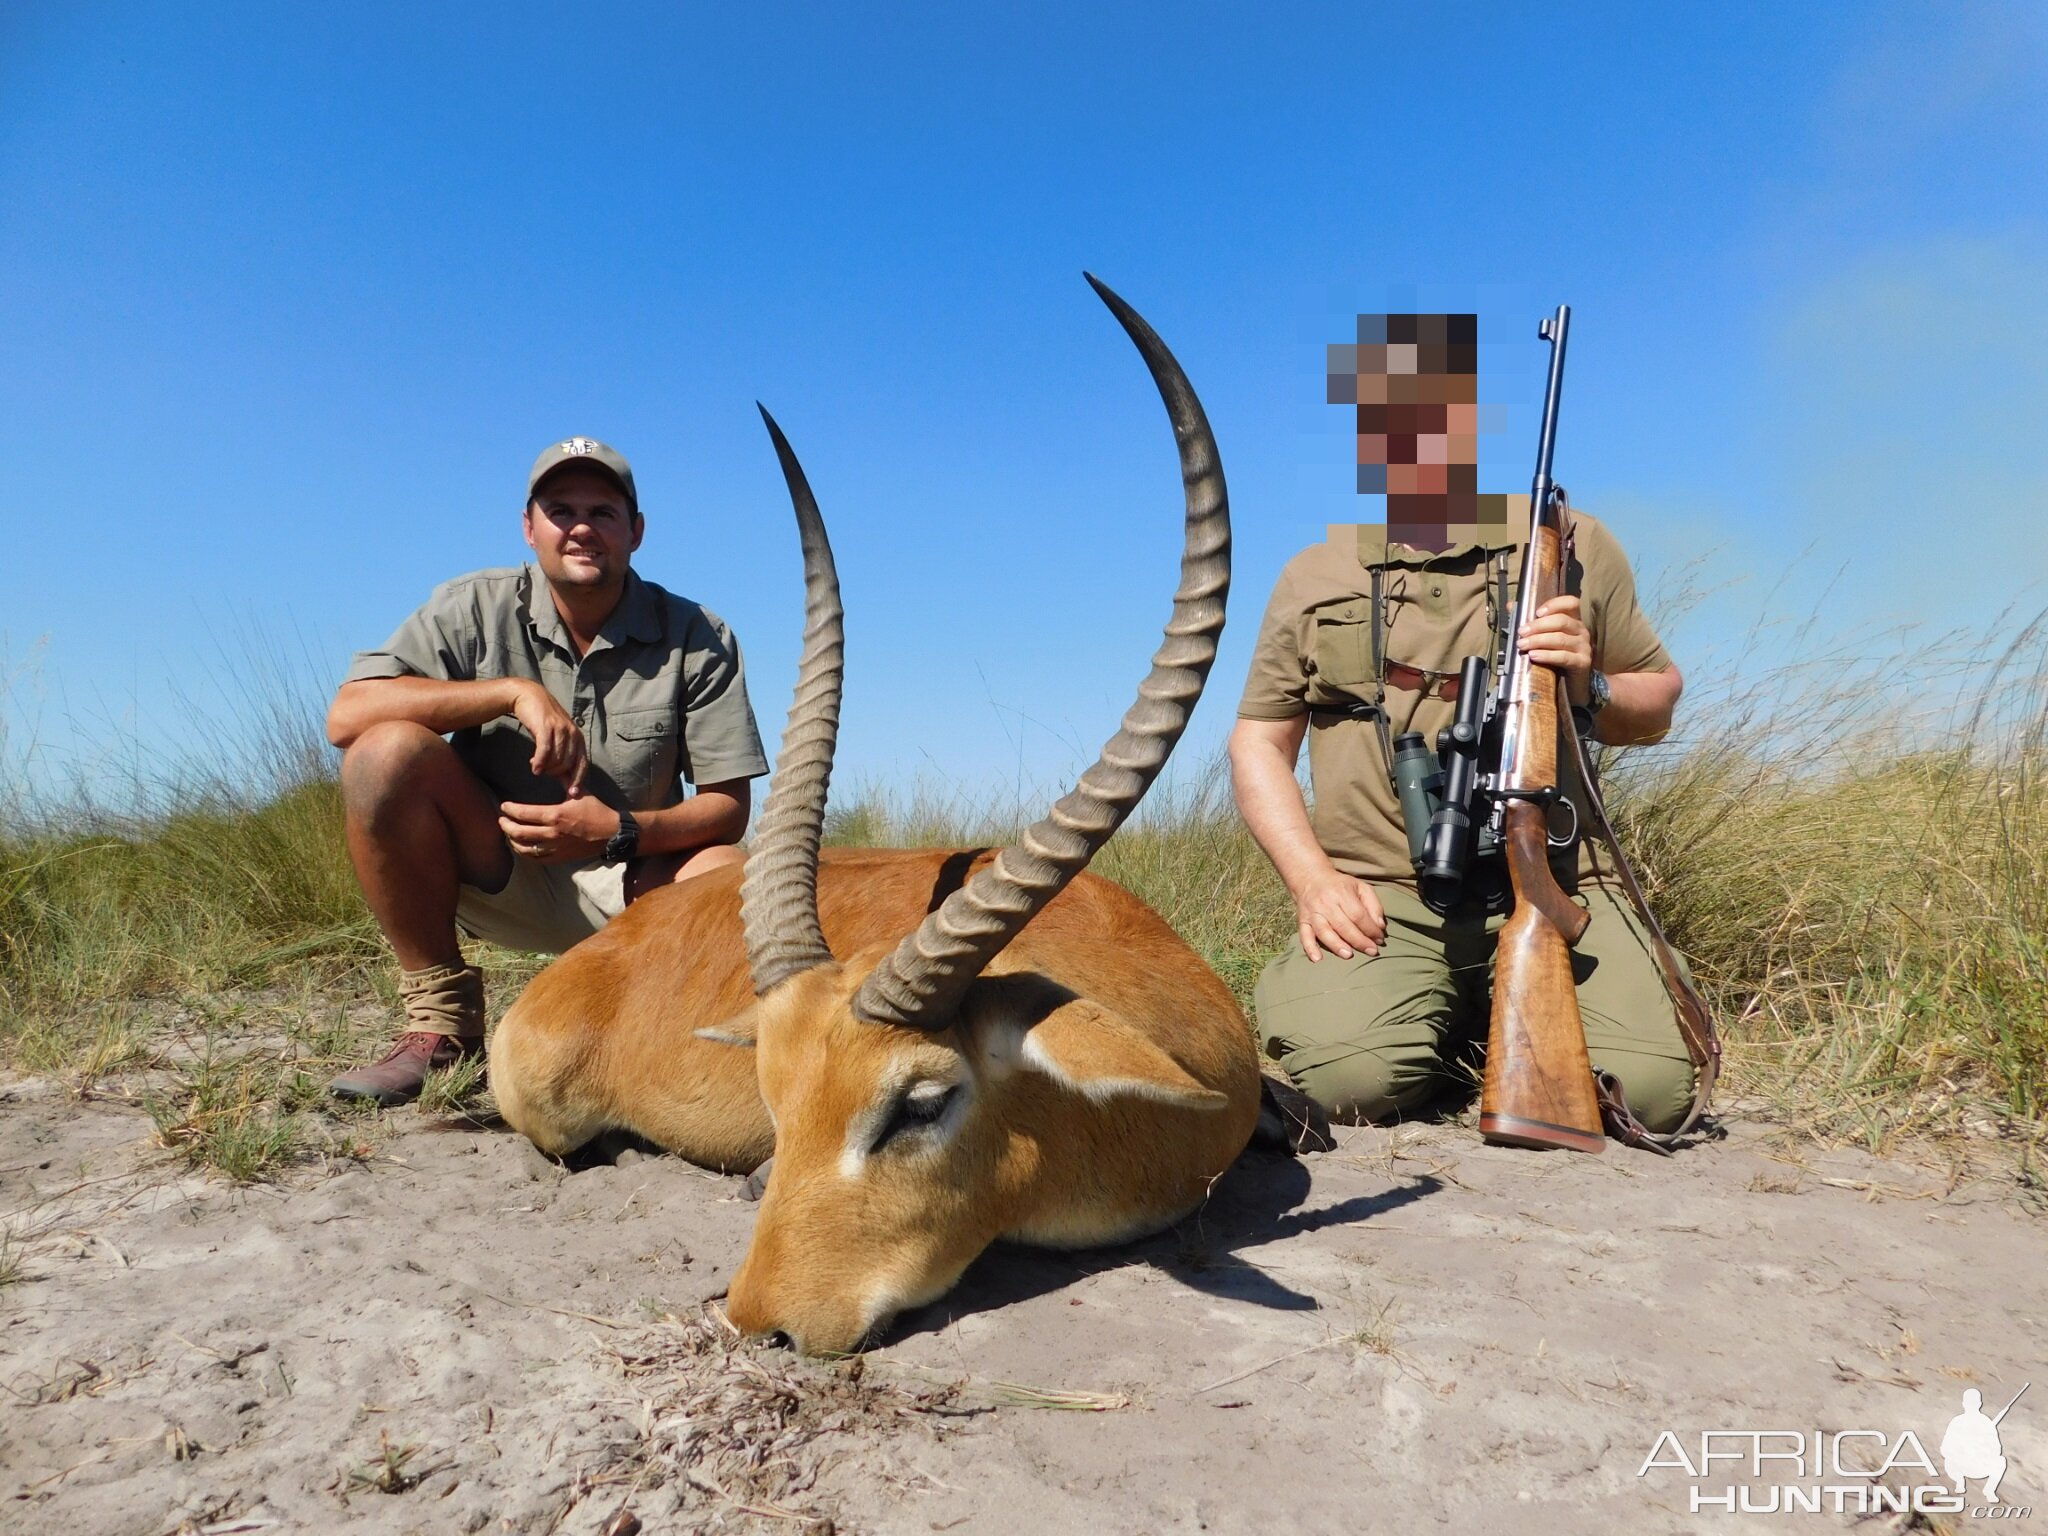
(1547, 797)
(1570, 837)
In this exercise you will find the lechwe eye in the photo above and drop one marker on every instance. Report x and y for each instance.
(919, 1113)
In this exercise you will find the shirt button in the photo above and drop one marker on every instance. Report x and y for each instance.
(1436, 591)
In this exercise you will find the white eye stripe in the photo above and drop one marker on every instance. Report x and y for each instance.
(927, 1096)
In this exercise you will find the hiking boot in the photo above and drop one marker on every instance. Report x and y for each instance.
(396, 1079)
(444, 1005)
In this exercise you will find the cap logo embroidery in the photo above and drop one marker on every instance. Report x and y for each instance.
(579, 446)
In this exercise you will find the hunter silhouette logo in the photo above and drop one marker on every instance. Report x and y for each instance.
(1970, 1446)
(1850, 1471)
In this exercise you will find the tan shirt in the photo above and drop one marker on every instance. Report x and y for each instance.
(1315, 649)
(660, 696)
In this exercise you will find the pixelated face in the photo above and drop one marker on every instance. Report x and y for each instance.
(1414, 381)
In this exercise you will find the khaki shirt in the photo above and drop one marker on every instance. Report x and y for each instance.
(660, 696)
(1315, 649)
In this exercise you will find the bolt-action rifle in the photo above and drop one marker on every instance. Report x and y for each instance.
(1480, 813)
(1538, 1090)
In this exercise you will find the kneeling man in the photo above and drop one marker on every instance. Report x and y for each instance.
(1379, 1001)
(515, 756)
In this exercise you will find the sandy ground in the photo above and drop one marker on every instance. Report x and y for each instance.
(1411, 1332)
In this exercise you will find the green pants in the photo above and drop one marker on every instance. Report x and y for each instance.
(1378, 1037)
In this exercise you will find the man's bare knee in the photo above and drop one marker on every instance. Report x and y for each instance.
(659, 869)
(388, 760)
(701, 861)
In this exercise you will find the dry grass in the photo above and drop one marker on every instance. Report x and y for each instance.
(1864, 894)
(728, 1431)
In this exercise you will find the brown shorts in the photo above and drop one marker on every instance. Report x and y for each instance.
(544, 908)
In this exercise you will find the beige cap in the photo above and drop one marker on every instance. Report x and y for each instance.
(572, 449)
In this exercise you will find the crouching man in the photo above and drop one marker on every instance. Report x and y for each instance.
(514, 756)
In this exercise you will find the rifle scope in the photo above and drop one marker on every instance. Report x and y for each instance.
(1446, 854)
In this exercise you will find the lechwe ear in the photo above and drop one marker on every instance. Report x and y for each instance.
(1081, 1045)
(742, 1029)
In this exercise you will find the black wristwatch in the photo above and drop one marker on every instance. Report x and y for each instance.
(1599, 693)
(625, 842)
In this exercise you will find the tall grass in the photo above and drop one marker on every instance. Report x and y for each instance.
(207, 875)
(1862, 889)
(1859, 876)
(1185, 851)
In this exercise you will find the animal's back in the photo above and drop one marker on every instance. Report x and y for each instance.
(604, 1039)
(1095, 938)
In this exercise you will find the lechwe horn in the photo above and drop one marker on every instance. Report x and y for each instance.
(779, 896)
(923, 981)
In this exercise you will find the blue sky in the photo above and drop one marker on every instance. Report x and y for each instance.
(291, 298)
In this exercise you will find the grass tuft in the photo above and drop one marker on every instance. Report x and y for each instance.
(239, 1117)
(448, 1090)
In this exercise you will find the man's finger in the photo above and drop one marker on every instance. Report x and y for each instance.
(1328, 936)
(1374, 925)
(1309, 946)
(562, 753)
(1367, 913)
(1347, 929)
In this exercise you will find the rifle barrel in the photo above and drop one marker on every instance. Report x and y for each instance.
(2008, 1407)
(1555, 330)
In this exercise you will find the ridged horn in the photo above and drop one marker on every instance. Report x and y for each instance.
(779, 895)
(922, 982)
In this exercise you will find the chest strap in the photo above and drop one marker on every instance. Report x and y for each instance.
(1431, 685)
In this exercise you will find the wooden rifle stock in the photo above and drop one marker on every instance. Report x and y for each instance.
(1538, 1090)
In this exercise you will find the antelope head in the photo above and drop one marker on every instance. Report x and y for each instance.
(932, 1096)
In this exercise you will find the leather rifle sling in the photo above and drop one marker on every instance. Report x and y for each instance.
(1695, 1023)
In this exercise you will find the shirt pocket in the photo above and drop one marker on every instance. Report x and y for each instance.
(1340, 650)
(641, 754)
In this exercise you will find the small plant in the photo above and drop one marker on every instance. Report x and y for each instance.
(227, 1116)
(448, 1090)
(1377, 1337)
(390, 1470)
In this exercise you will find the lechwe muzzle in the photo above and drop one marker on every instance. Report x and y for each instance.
(951, 1047)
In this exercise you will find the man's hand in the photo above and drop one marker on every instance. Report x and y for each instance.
(1338, 912)
(558, 746)
(573, 832)
(1557, 638)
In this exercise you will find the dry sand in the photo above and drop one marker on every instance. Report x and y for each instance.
(1411, 1332)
